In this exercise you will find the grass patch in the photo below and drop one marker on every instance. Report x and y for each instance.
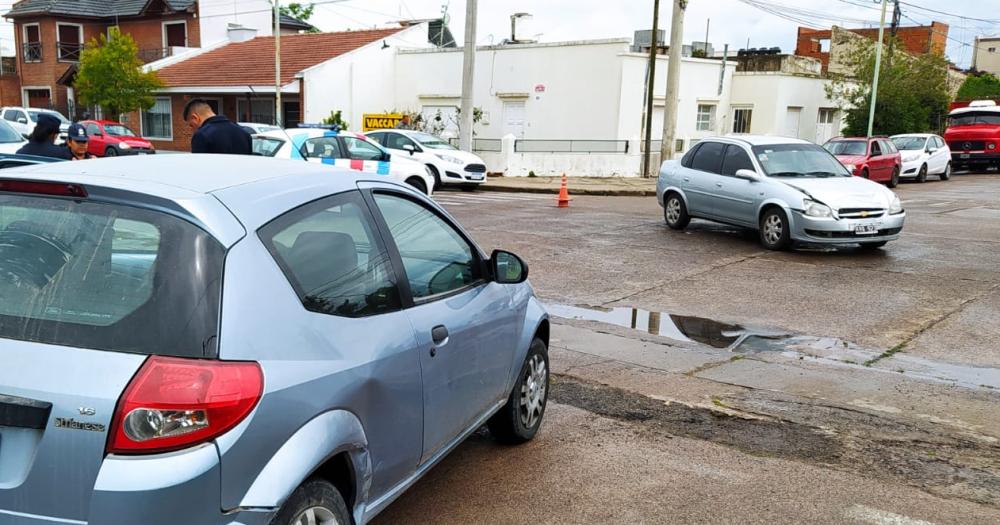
(888, 353)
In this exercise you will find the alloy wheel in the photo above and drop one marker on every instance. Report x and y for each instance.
(316, 516)
(533, 387)
(673, 210)
(773, 228)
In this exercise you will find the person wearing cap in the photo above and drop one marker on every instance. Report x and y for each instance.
(41, 142)
(76, 141)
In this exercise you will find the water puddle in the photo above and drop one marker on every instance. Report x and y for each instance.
(682, 328)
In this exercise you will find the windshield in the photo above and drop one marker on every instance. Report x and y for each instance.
(107, 277)
(8, 134)
(847, 147)
(431, 141)
(910, 143)
(798, 160)
(975, 117)
(118, 130)
(57, 115)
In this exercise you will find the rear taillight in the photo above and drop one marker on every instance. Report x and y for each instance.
(175, 403)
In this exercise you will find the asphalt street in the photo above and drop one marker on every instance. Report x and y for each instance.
(701, 379)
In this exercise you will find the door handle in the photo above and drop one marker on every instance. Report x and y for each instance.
(687, 179)
(439, 334)
(718, 184)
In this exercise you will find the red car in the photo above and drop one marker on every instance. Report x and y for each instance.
(874, 158)
(110, 139)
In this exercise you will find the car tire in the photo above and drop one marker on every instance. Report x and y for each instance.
(894, 179)
(864, 174)
(675, 212)
(922, 174)
(519, 419)
(946, 174)
(873, 245)
(318, 497)
(437, 177)
(775, 231)
(111, 152)
(420, 185)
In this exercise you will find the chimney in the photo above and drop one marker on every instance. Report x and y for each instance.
(238, 33)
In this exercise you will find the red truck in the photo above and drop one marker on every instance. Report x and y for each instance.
(973, 135)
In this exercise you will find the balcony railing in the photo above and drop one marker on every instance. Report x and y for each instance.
(32, 51)
(69, 52)
(153, 54)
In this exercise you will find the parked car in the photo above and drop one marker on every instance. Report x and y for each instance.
(254, 128)
(874, 158)
(111, 139)
(449, 165)
(246, 341)
(10, 139)
(789, 190)
(13, 160)
(973, 135)
(343, 149)
(923, 154)
(23, 120)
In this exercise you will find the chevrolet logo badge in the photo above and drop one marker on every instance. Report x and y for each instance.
(864, 214)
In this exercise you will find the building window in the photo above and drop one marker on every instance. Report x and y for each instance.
(69, 41)
(256, 110)
(32, 43)
(175, 34)
(992, 50)
(157, 120)
(826, 115)
(706, 117)
(741, 120)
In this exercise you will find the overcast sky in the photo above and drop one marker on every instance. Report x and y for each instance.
(732, 21)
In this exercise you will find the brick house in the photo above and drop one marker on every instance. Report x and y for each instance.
(916, 40)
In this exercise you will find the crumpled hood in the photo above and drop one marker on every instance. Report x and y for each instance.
(844, 192)
(851, 159)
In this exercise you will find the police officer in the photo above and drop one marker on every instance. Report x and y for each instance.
(215, 133)
(76, 141)
(42, 140)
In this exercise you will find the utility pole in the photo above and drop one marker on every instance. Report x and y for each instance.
(277, 65)
(650, 82)
(673, 80)
(878, 66)
(468, 76)
(894, 27)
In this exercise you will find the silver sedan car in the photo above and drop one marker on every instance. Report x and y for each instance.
(790, 190)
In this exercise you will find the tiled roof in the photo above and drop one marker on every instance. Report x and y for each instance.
(92, 8)
(252, 62)
(293, 23)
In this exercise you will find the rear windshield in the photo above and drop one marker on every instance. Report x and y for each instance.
(107, 277)
(847, 147)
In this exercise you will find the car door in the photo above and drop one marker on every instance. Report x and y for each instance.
(876, 161)
(465, 323)
(737, 197)
(704, 181)
(364, 155)
(940, 156)
(95, 139)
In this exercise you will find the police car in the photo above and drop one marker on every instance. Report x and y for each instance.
(343, 149)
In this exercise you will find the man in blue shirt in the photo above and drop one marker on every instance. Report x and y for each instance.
(215, 133)
(41, 142)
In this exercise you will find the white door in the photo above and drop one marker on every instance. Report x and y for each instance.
(824, 125)
(792, 118)
(513, 118)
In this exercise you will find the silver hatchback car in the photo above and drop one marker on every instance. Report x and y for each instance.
(790, 190)
(237, 340)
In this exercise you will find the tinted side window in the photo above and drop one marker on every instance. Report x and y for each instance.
(92, 129)
(939, 142)
(876, 150)
(709, 157)
(689, 156)
(396, 141)
(358, 149)
(329, 252)
(736, 159)
(322, 148)
(10, 115)
(437, 259)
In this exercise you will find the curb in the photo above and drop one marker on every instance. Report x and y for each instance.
(582, 191)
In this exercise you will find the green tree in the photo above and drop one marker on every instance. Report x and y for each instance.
(299, 11)
(111, 75)
(335, 118)
(980, 86)
(912, 91)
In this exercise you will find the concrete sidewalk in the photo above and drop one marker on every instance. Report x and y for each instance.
(610, 186)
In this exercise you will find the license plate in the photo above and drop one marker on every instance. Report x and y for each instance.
(866, 229)
(476, 177)
(963, 156)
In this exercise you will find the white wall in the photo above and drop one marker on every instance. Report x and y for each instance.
(362, 81)
(215, 16)
(771, 94)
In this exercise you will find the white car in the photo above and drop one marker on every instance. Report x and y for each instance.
(449, 164)
(254, 128)
(10, 139)
(23, 120)
(923, 154)
(343, 149)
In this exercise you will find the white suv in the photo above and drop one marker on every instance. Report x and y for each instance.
(23, 120)
(449, 164)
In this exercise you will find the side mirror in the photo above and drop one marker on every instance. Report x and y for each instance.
(508, 268)
(98, 134)
(931, 150)
(22, 120)
(410, 148)
(747, 175)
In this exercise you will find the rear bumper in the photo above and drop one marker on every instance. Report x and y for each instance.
(841, 231)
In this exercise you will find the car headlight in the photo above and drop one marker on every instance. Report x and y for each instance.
(896, 206)
(816, 209)
(850, 167)
(449, 158)
(991, 146)
(124, 145)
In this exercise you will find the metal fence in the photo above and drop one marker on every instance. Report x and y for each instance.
(487, 145)
(32, 51)
(69, 51)
(570, 146)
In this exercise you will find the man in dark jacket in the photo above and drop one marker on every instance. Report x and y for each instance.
(41, 142)
(215, 133)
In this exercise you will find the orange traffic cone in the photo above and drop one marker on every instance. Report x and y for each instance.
(563, 201)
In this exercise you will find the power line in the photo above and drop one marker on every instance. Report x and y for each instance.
(992, 21)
